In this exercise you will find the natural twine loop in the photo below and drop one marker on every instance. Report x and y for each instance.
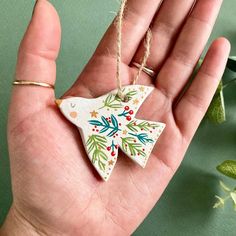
(147, 46)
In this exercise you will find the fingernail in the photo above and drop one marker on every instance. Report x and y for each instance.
(36, 1)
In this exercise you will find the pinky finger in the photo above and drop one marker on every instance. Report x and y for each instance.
(192, 107)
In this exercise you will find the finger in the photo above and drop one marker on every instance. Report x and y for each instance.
(192, 107)
(165, 27)
(188, 48)
(136, 21)
(36, 61)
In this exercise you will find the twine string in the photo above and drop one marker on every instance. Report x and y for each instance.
(119, 44)
(147, 47)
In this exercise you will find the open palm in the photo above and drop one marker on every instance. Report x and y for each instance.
(55, 188)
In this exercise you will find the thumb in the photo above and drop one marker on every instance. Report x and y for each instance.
(36, 62)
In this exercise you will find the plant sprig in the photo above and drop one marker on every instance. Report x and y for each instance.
(97, 145)
(113, 101)
(134, 126)
(227, 168)
(129, 144)
(143, 138)
(107, 125)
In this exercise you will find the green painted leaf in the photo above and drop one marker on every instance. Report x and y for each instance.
(100, 138)
(228, 168)
(131, 126)
(91, 147)
(101, 165)
(129, 144)
(112, 102)
(96, 144)
(130, 94)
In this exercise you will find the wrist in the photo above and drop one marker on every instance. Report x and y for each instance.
(17, 225)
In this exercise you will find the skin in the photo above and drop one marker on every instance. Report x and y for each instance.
(55, 188)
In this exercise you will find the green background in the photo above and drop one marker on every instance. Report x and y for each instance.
(186, 206)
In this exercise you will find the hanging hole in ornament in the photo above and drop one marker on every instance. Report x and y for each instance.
(125, 99)
(122, 97)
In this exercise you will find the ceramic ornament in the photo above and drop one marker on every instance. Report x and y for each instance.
(107, 124)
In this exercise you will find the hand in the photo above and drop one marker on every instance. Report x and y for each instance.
(55, 189)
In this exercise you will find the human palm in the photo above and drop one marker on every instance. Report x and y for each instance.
(55, 188)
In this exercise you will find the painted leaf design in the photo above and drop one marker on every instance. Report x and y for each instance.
(134, 126)
(97, 144)
(112, 102)
(114, 121)
(95, 122)
(129, 145)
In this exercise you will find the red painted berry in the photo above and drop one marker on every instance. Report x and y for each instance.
(128, 118)
(131, 112)
(126, 108)
(116, 146)
(108, 148)
(113, 153)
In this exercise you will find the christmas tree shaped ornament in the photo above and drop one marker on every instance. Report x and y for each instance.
(108, 123)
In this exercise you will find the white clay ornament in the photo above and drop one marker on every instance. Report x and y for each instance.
(107, 124)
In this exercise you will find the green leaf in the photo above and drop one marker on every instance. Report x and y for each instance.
(224, 187)
(231, 64)
(228, 168)
(216, 110)
(233, 196)
(220, 202)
